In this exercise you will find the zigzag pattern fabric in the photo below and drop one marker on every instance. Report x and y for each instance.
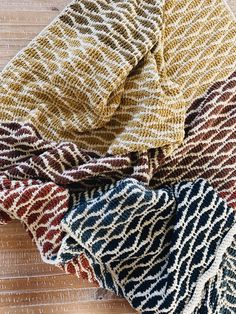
(114, 76)
(210, 120)
(24, 154)
(209, 149)
(160, 247)
(108, 119)
(40, 207)
(221, 300)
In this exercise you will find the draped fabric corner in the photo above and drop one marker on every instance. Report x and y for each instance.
(118, 150)
(172, 239)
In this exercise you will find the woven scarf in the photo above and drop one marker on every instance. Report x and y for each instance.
(117, 76)
(170, 250)
(143, 90)
(158, 248)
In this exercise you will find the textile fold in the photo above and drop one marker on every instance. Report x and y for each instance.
(160, 246)
(118, 149)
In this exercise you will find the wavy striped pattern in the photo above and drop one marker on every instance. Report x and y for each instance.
(209, 141)
(40, 207)
(229, 280)
(24, 154)
(209, 148)
(71, 77)
(117, 76)
(110, 98)
(160, 247)
(222, 300)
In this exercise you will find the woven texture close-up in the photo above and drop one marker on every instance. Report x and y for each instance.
(118, 156)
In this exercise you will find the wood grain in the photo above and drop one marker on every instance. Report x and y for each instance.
(27, 285)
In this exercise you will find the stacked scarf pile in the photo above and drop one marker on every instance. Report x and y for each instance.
(118, 149)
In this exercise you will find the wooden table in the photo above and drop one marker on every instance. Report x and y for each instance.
(27, 285)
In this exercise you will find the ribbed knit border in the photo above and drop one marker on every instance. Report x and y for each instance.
(211, 272)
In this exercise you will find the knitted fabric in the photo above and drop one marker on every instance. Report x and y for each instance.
(221, 300)
(214, 111)
(40, 207)
(160, 248)
(25, 155)
(210, 154)
(209, 149)
(43, 220)
(115, 76)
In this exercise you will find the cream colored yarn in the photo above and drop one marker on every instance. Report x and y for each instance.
(117, 76)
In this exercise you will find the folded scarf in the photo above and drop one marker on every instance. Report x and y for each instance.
(209, 148)
(26, 154)
(157, 248)
(208, 151)
(168, 250)
(116, 77)
(41, 207)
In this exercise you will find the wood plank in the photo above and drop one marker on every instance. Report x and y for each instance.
(91, 307)
(27, 285)
(58, 296)
(20, 21)
(43, 282)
